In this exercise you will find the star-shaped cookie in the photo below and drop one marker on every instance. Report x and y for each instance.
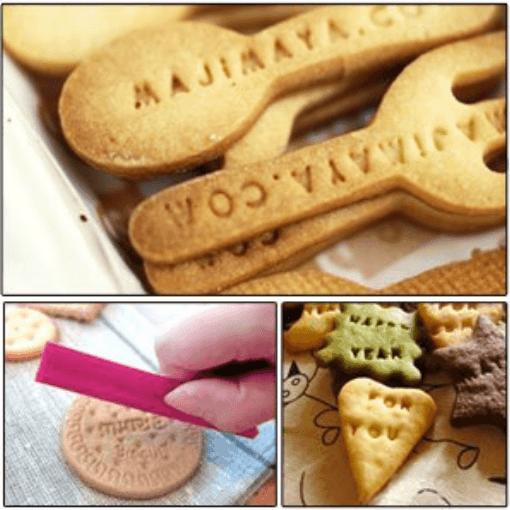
(478, 368)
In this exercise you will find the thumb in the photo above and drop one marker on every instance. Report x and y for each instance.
(229, 405)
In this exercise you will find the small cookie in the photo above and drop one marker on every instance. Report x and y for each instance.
(128, 453)
(26, 333)
(479, 370)
(380, 427)
(85, 312)
(310, 330)
(451, 323)
(370, 339)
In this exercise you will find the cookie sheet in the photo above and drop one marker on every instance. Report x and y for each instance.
(50, 216)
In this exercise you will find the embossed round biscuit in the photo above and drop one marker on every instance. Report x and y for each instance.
(128, 453)
(26, 333)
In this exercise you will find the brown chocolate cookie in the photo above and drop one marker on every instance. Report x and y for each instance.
(479, 371)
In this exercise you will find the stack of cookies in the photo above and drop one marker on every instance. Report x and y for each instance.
(147, 94)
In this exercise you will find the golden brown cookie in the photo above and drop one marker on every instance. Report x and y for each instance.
(453, 323)
(85, 312)
(159, 101)
(287, 247)
(128, 453)
(427, 154)
(27, 332)
(310, 331)
(380, 426)
(53, 39)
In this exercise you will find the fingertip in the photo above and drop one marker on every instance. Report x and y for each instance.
(231, 406)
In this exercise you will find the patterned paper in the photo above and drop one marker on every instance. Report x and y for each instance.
(447, 467)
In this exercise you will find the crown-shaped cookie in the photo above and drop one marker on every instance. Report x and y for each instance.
(309, 332)
(369, 339)
(451, 323)
(380, 427)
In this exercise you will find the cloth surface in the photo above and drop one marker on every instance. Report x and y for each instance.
(35, 471)
(449, 466)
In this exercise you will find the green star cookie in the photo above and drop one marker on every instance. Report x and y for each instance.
(369, 339)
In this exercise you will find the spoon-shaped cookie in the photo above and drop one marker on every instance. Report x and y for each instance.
(248, 18)
(163, 100)
(422, 139)
(289, 246)
(268, 138)
(52, 39)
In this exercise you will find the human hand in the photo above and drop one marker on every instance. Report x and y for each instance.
(224, 334)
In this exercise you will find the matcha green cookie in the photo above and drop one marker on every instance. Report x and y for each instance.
(369, 339)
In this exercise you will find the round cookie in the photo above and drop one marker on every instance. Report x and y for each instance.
(128, 453)
(26, 333)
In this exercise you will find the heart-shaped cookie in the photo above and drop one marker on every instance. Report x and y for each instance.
(380, 427)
